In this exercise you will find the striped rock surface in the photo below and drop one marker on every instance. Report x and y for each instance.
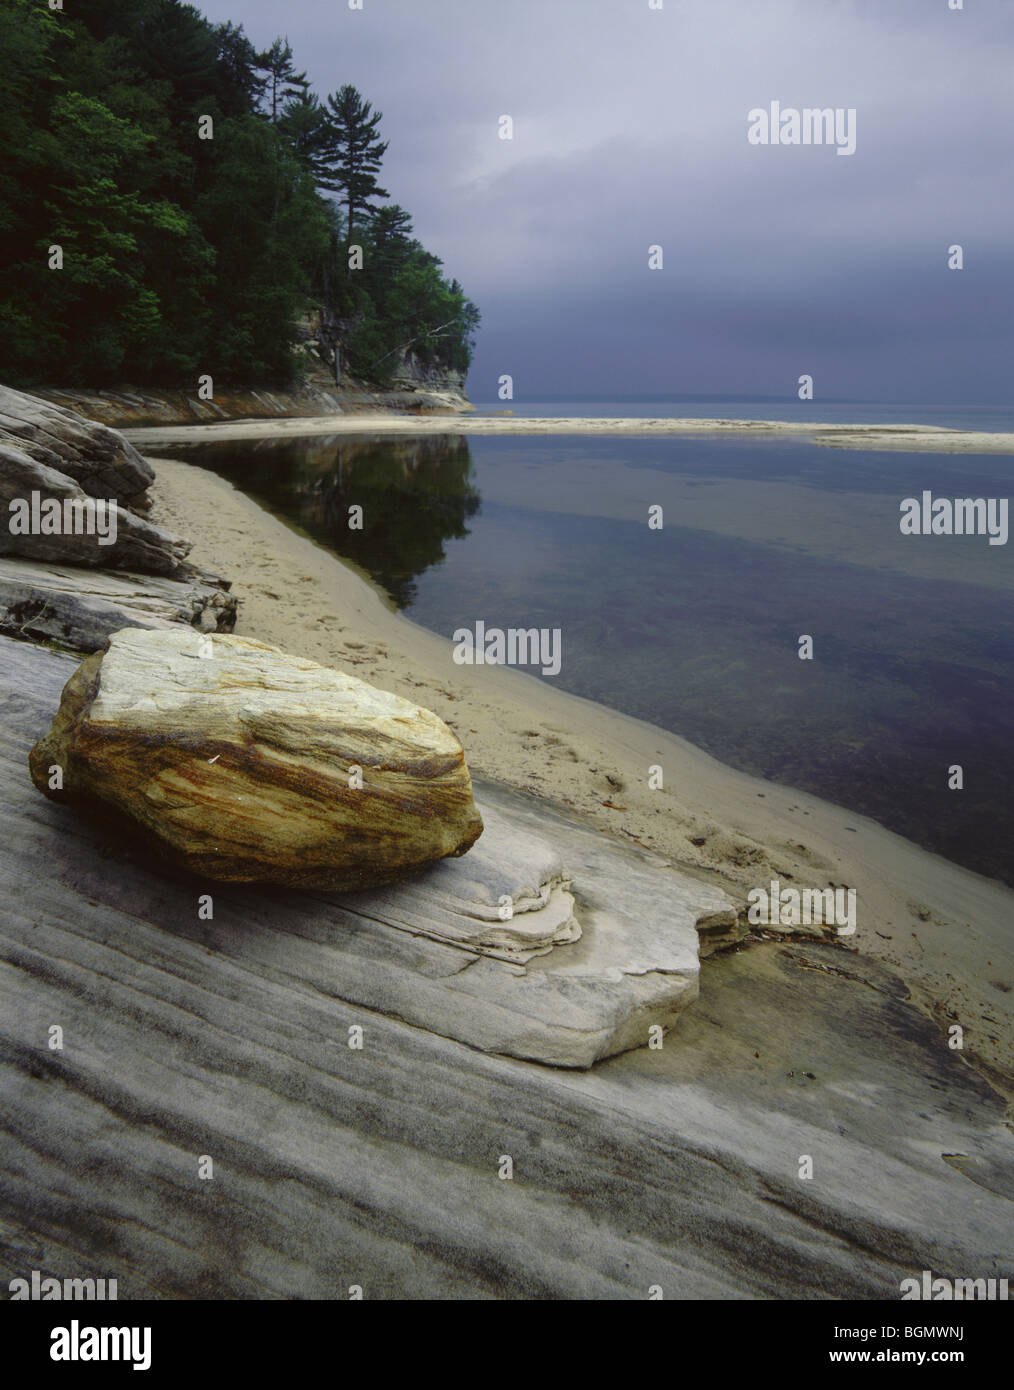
(240, 762)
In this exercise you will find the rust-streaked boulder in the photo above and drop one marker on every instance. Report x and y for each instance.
(242, 763)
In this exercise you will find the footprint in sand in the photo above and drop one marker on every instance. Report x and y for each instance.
(808, 856)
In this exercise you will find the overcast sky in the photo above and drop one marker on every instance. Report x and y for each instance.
(630, 130)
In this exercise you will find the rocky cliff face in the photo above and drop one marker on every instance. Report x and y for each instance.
(317, 395)
(436, 386)
(420, 376)
(415, 388)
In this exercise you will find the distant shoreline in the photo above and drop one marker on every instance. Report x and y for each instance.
(911, 438)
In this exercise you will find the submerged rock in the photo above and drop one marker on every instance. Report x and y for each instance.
(245, 764)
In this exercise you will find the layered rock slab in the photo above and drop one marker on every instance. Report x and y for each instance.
(509, 898)
(547, 941)
(96, 457)
(625, 961)
(135, 544)
(378, 1166)
(82, 609)
(68, 492)
(242, 763)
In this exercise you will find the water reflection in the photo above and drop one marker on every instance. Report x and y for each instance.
(696, 627)
(416, 494)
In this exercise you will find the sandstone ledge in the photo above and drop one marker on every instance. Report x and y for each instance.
(378, 1166)
(82, 608)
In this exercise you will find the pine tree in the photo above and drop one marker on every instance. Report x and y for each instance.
(354, 153)
(389, 243)
(304, 126)
(282, 82)
(178, 253)
(239, 65)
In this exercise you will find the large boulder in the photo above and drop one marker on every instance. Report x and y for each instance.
(96, 457)
(548, 941)
(242, 763)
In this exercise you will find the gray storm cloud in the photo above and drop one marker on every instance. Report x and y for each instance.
(630, 130)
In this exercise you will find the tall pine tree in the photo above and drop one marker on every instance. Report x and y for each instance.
(354, 154)
(180, 253)
(281, 80)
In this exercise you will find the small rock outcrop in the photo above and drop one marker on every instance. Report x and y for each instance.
(96, 457)
(72, 494)
(82, 608)
(130, 542)
(509, 899)
(247, 765)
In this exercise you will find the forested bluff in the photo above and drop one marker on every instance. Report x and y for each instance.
(184, 220)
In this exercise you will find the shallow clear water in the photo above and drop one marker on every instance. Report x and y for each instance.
(695, 627)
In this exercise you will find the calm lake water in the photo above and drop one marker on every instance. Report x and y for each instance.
(696, 626)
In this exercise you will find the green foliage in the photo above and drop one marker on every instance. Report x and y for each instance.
(282, 82)
(407, 305)
(262, 214)
(183, 255)
(353, 153)
(303, 125)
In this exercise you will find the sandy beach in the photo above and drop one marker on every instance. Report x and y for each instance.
(944, 930)
(469, 543)
(919, 438)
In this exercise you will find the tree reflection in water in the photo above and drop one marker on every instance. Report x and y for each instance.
(416, 494)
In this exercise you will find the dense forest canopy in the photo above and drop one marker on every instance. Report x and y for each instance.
(192, 245)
